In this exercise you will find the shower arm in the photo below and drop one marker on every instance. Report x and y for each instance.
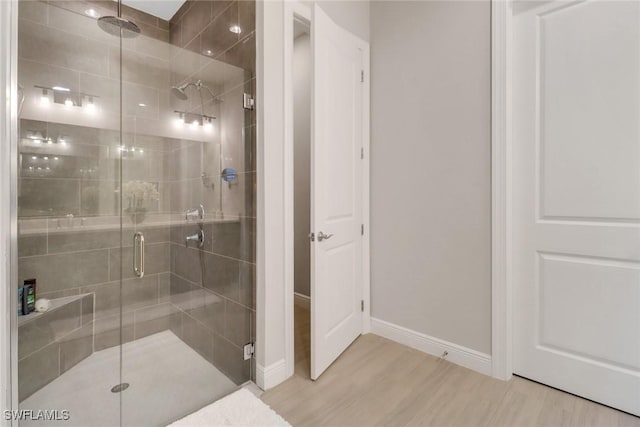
(213, 96)
(199, 86)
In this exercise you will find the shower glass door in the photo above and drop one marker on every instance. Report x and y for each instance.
(69, 214)
(190, 316)
(136, 208)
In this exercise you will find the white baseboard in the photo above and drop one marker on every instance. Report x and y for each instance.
(272, 375)
(302, 299)
(463, 356)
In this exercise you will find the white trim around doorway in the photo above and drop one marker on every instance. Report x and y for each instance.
(501, 304)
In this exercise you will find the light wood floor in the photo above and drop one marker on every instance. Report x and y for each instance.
(379, 382)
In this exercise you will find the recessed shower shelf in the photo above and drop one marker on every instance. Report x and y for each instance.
(55, 304)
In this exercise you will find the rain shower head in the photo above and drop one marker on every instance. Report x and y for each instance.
(118, 27)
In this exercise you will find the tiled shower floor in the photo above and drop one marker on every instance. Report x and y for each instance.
(167, 378)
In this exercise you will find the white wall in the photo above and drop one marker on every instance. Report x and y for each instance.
(301, 158)
(270, 298)
(430, 183)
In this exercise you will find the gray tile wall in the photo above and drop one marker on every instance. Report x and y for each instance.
(215, 286)
(150, 26)
(82, 177)
(207, 297)
(51, 343)
(214, 289)
(59, 45)
(77, 262)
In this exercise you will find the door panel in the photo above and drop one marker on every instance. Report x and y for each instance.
(68, 222)
(576, 136)
(190, 327)
(571, 327)
(336, 192)
(588, 71)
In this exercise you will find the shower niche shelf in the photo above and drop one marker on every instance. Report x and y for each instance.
(52, 342)
(55, 304)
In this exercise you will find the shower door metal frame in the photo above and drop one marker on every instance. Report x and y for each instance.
(8, 206)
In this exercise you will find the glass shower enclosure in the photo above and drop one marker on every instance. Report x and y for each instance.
(136, 264)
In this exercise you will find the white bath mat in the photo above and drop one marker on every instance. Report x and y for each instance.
(241, 408)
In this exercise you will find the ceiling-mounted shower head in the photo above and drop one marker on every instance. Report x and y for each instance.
(118, 27)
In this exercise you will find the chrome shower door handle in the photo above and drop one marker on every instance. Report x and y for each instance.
(322, 236)
(138, 254)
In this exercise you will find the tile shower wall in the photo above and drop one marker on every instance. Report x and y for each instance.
(214, 287)
(68, 201)
(215, 293)
(54, 342)
(150, 26)
(68, 238)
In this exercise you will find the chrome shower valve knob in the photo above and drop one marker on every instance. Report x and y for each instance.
(196, 237)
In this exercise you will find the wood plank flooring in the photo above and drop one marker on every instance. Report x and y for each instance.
(379, 382)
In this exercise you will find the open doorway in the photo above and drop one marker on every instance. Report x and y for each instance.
(302, 195)
(326, 158)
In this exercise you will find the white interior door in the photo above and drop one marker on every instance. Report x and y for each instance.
(576, 198)
(336, 191)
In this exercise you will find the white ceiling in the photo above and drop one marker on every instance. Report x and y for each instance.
(164, 9)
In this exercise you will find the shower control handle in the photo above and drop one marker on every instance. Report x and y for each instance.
(322, 236)
(197, 237)
(195, 213)
(138, 254)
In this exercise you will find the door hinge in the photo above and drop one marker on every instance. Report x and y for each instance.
(249, 350)
(361, 305)
(362, 229)
(362, 76)
(362, 152)
(248, 102)
(312, 236)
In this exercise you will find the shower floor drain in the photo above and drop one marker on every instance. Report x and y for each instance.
(120, 387)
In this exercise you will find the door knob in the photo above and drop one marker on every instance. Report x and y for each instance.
(322, 236)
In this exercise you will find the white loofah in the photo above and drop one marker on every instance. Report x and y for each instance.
(42, 305)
